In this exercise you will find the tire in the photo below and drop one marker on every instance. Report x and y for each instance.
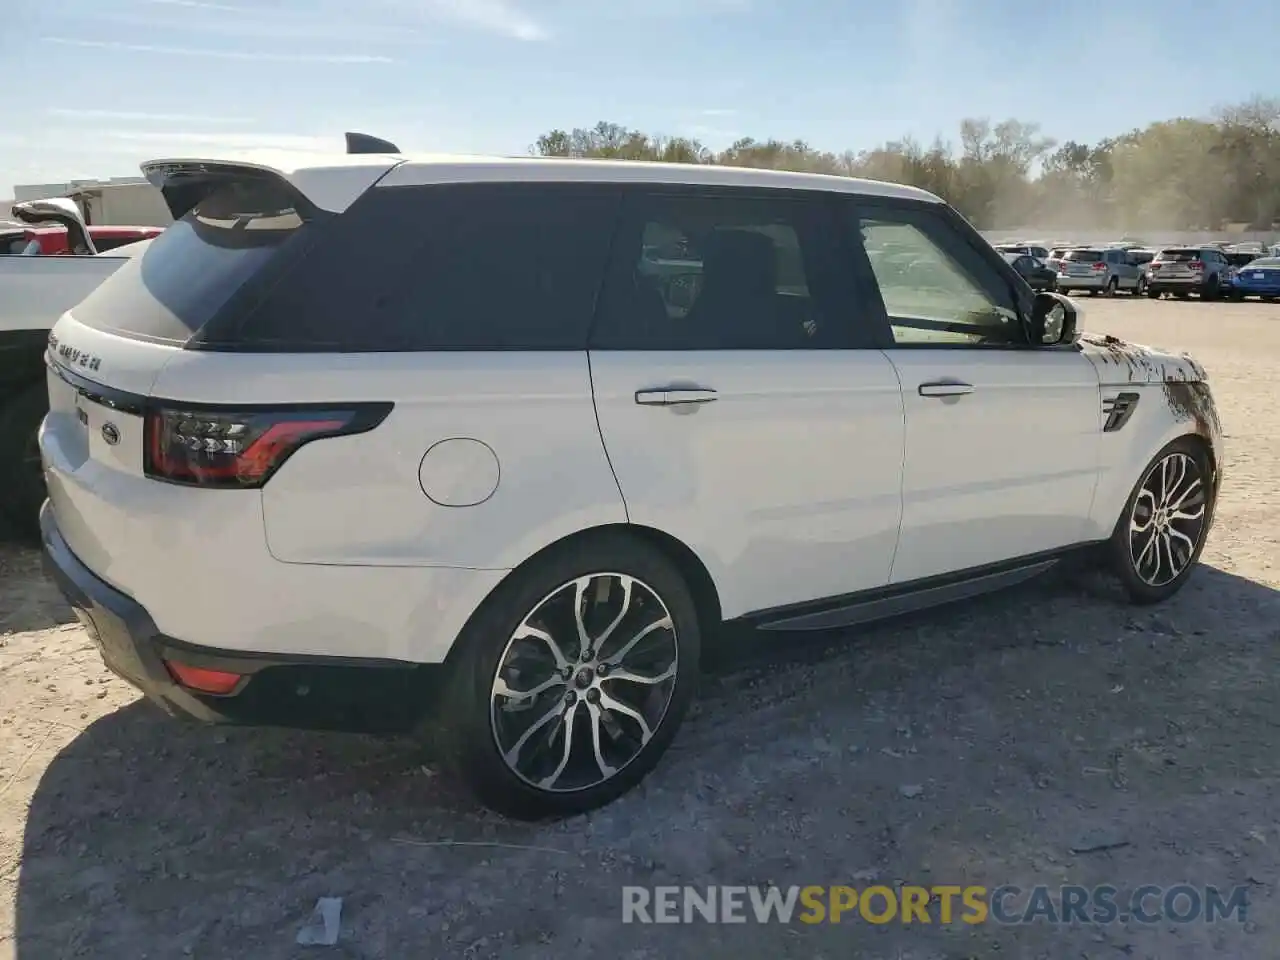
(551, 775)
(21, 475)
(1113, 285)
(1153, 294)
(1149, 580)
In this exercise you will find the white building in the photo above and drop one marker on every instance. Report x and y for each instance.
(118, 201)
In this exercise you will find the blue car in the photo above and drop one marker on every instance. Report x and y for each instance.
(1258, 278)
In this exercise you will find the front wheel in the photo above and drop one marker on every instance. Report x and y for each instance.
(1162, 531)
(572, 679)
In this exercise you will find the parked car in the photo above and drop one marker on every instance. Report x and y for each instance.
(1034, 271)
(307, 461)
(1259, 278)
(53, 241)
(34, 291)
(1182, 271)
(1098, 270)
(1027, 249)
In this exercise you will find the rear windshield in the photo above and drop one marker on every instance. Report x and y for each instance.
(1088, 256)
(190, 271)
(1179, 256)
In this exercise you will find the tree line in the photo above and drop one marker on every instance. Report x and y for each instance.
(1219, 173)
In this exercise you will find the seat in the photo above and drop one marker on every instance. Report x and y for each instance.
(739, 291)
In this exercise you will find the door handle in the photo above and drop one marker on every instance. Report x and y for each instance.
(674, 396)
(946, 388)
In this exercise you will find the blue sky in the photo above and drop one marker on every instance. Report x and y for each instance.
(95, 86)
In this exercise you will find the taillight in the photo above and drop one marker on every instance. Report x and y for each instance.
(229, 447)
(1156, 266)
(1196, 265)
(1099, 267)
(220, 683)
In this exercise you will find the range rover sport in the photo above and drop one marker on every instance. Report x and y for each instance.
(393, 439)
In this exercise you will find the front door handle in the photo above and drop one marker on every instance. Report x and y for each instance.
(946, 388)
(674, 396)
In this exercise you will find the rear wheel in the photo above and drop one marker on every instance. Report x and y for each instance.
(1161, 532)
(21, 473)
(1153, 294)
(572, 679)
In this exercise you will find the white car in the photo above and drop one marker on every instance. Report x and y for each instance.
(386, 439)
(34, 292)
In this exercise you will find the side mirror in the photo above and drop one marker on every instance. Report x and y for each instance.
(1054, 320)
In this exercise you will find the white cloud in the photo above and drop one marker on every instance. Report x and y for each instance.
(127, 116)
(335, 58)
(200, 5)
(494, 16)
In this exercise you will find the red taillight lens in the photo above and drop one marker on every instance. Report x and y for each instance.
(1156, 266)
(202, 680)
(1099, 267)
(1196, 264)
(241, 448)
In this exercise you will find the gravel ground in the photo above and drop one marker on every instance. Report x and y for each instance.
(982, 744)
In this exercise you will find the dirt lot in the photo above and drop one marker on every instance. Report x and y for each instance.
(1036, 722)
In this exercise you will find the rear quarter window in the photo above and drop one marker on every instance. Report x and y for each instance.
(192, 270)
(514, 266)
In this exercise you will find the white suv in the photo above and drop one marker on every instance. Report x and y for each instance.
(499, 441)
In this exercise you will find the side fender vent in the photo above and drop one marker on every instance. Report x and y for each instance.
(1118, 410)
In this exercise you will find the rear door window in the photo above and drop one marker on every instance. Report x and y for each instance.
(741, 271)
(484, 266)
(193, 269)
(1179, 256)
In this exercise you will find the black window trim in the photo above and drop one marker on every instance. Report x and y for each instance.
(860, 326)
(1018, 289)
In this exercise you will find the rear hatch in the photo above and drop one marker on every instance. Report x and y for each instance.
(233, 225)
(1082, 263)
(1177, 265)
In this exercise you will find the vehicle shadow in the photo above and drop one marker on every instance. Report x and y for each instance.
(28, 600)
(146, 833)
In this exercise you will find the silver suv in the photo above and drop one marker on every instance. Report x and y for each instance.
(1099, 270)
(1186, 270)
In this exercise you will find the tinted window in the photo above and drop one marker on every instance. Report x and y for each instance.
(937, 289)
(452, 267)
(1179, 256)
(103, 244)
(192, 269)
(753, 272)
(1083, 256)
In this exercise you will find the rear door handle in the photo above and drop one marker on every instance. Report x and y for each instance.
(674, 396)
(946, 388)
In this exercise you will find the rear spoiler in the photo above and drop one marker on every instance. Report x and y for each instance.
(184, 183)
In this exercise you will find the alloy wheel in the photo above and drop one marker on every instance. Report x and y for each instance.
(584, 682)
(1167, 521)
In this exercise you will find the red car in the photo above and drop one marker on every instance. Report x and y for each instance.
(52, 241)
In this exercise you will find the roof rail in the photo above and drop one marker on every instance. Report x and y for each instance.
(365, 143)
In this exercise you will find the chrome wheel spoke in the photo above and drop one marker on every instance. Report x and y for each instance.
(597, 718)
(1173, 533)
(502, 689)
(566, 731)
(528, 632)
(512, 756)
(662, 623)
(630, 677)
(617, 706)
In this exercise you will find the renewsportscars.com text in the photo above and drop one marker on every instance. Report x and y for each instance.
(938, 903)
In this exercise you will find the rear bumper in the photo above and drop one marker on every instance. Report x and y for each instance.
(306, 692)
(1255, 290)
(1082, 283)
